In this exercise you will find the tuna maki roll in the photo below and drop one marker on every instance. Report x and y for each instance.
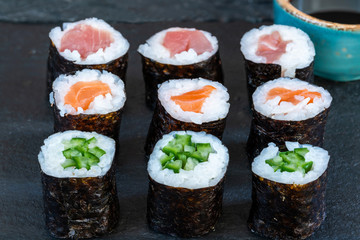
(288, 110)
(288, 191)
(276, 51)
(78, 178)
(188, 104)
(89, 43)
(186, 172)
(177, 53)
(89, 100)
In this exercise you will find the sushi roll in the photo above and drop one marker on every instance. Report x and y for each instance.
(188, 104)
(89, 100)
(275, 51)
(288, 110)
(177, 53)
(288, 191)
(79, 188)
(90, 43)
(186, 172)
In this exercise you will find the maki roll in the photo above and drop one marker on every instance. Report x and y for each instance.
(288, 191)
(188, 104)
(276, 51)
(89, 43)
(79, 189)
(186, 172)
(177, 53)
(288, 110)
(89, 100)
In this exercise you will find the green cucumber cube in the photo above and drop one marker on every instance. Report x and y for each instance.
(190, 164)
(68, 163)
(183, 139)
(98, 152)
(174, 165)
(301, 151)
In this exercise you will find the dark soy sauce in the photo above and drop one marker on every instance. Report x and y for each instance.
(345, 17)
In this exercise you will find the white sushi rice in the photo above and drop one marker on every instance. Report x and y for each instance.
(299, 53)
(101, 104)
(215, 107)
(116, 49)
(319, 156)
(286, 110)
(51, 156)
(205, 174)
(154, 49)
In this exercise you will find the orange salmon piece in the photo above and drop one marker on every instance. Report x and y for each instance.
(81, 94)
(193, 101)
(271, 46)
(86, 40)
(288, 95)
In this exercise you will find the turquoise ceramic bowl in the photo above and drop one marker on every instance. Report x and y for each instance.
(337, 45)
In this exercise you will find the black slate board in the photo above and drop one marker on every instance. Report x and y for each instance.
(26, 120)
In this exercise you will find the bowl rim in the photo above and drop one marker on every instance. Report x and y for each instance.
(291, 9)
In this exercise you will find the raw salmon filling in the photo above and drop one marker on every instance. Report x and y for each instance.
(193, 101)
(86, 40)
(183, 40)
(291, 96)
(81, 94)
(271, 46)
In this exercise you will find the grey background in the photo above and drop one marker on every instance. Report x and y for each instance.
(135, 11)
(26, 120)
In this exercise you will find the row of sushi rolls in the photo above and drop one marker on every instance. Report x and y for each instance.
(187, 161)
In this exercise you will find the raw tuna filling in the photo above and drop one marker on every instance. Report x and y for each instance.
(86, 40)
(193, 101)
(183, 40)
(271, 46)
(81, 94)
(294, 97)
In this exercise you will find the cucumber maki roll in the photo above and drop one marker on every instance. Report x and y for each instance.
(177, 53)
(276, 51)
(90, 43)
(288, 110)
(186, 172)
(288, 191)
(79, 188)
(89, 100)
(188, 104)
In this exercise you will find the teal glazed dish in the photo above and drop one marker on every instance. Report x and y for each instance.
(337, 45)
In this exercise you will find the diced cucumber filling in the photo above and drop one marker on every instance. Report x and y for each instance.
(182, 153)
(291, 161)
(79, 155)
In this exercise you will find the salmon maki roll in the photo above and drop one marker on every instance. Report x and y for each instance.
(288, 191)
(79, 188)
(288, 110)
(186, 171)
(177, 53)
(188, 104)
(89, 100)
(275, 51)
(90, 43)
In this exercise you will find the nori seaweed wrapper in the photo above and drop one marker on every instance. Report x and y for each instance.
(287, 211)
(265, 130)
(80, 207)
(163, 123)
(156, 73)
(184, 212)
(259, 73)
(106, 124)
(57, 65)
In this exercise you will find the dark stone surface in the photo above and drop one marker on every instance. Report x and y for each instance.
(135, 11)
(26, 120)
